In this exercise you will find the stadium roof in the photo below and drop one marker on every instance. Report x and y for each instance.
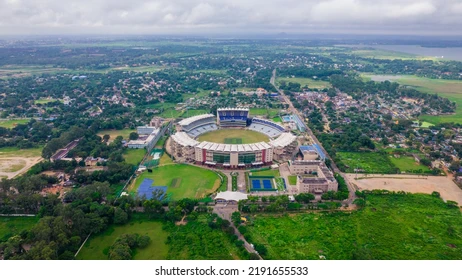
(283, 140)
(233, 109)
(231, 196)
(233, 147)
(190, 120)
(183, 139)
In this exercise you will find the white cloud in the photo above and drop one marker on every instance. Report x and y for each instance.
(121, 16)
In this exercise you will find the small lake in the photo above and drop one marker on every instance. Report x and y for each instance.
(446, 53)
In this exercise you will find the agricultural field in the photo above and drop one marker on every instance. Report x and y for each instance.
(13, 123)
(310, 83)
(232, 136)
(114, 133)
(408, 164)
(191, 181)
(198, 241)
(370, 162)
(10, 226)
(395, 227)
(97, 246)
(134, 156)
(451, 89)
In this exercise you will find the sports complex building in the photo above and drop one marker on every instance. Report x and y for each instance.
(186, 147)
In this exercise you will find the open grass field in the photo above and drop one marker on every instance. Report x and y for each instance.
(408, 164)
(165, 159)
(369, 162)
(413, 226)
(426, 124)
(134, 156)
(277, 119)
(271, 113)
(13, 123)
(9, 152)
(246, 136)
(114, 133)
(311, 83)
(10, 226)
(98, 245)
(388, 54)
(45, 100)
(451, 89)
(196, 182)
(292, 180)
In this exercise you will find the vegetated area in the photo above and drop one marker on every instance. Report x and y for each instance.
(395, 226)
(292, 180)
(226, 136)
(113, 133)
(13, 123)
(270, 113)
(194, 112)
(386, 54)
(134, 156)
(277, 119)
(408, 164)
(97, 246)
(16, 152)
(14, 160)
(10, 226)
(368, 162)
(195, 182)
(451, 89)
(45, 100)
(305, 82)
(267, 172)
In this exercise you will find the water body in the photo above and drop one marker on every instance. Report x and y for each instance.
(446, 53)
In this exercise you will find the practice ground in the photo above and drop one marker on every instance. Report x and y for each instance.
(14, 161)
(194, 182)
(114, 133)
(409, 183)
(97, 246)
(389, 227)
(408, 164)
(451, 89)
(134, 156)
(233, 136)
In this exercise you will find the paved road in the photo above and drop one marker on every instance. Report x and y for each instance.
(293, 110)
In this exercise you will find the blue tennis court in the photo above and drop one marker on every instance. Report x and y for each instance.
(256, 184)
(267, 184)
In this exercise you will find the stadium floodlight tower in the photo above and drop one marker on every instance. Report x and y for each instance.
(232, 117)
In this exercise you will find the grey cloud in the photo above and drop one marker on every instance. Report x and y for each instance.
(271, 16)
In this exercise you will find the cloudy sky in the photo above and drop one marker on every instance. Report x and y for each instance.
(230, 16)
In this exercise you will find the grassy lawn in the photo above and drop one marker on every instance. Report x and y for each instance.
(16, 152)
(114, 133)
(451, 89)
(165, 159)
(196, 182)
(408, 164)
(161, 142)
(134, 156)
(98, 245)
(413, 226)
(369, 162)
(13, 123)
(311, 83)
(269, 172)
(171, 113)
(426, 124)
(10, 226)
(264, 112)
(247, 136)
(277, 119)
(292, 180)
